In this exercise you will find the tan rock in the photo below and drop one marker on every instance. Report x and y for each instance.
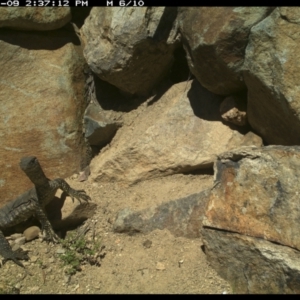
(20, 241)
(15, 236)
(160, 266)
(131, 48)
(180, 132)
(272, 77)
(233, 111)
(31, 233)
(42, 104)
(214, 39)
(34, 18)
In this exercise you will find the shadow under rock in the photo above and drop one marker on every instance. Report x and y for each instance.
(206, 106)
(40, 40)
(110, 97)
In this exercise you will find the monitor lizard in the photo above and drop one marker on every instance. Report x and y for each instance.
(32, 203)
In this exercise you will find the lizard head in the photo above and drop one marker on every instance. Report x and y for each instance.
(29, 163)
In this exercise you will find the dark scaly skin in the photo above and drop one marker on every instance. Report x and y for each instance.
(32, 203)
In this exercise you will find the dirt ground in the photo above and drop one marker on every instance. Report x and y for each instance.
(154, 263)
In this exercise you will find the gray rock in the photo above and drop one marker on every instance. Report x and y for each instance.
(214, 39)
(271, 75)
(131, 48)
(99, 128)
(252, 265)
(182, 217)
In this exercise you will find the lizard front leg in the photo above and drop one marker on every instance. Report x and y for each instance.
(46, 226)
(63, 185)
(8, 254)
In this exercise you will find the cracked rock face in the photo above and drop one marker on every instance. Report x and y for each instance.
(272, 77)
(255, 196)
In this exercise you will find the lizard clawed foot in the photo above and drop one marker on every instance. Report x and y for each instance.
(50, 236)
(79, 195)
(15, 256)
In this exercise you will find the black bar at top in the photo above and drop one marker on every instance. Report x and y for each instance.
(83, 3)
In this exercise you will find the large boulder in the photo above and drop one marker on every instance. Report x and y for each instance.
(214, 39)
(42, 104)
(255, 194)
(180, 132)
(131, 48)
(34, 18)
(272, 77)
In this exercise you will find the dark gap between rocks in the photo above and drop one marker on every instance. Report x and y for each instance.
(180, 71)
(206, 171)
(110, 97)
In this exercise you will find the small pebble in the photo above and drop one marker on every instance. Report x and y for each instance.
(67, 279)
(31, 233)
(160, 266)
(20, 241)
(15, 247)
(15, 236)
(147, 244)
(35, 288)
(60, 251)
(18, 285)
(34, 258)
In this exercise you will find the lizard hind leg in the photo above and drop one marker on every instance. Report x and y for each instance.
(8, 254)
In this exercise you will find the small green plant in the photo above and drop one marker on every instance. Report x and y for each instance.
(79, 251)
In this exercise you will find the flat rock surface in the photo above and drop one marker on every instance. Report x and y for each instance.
(182, 217)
